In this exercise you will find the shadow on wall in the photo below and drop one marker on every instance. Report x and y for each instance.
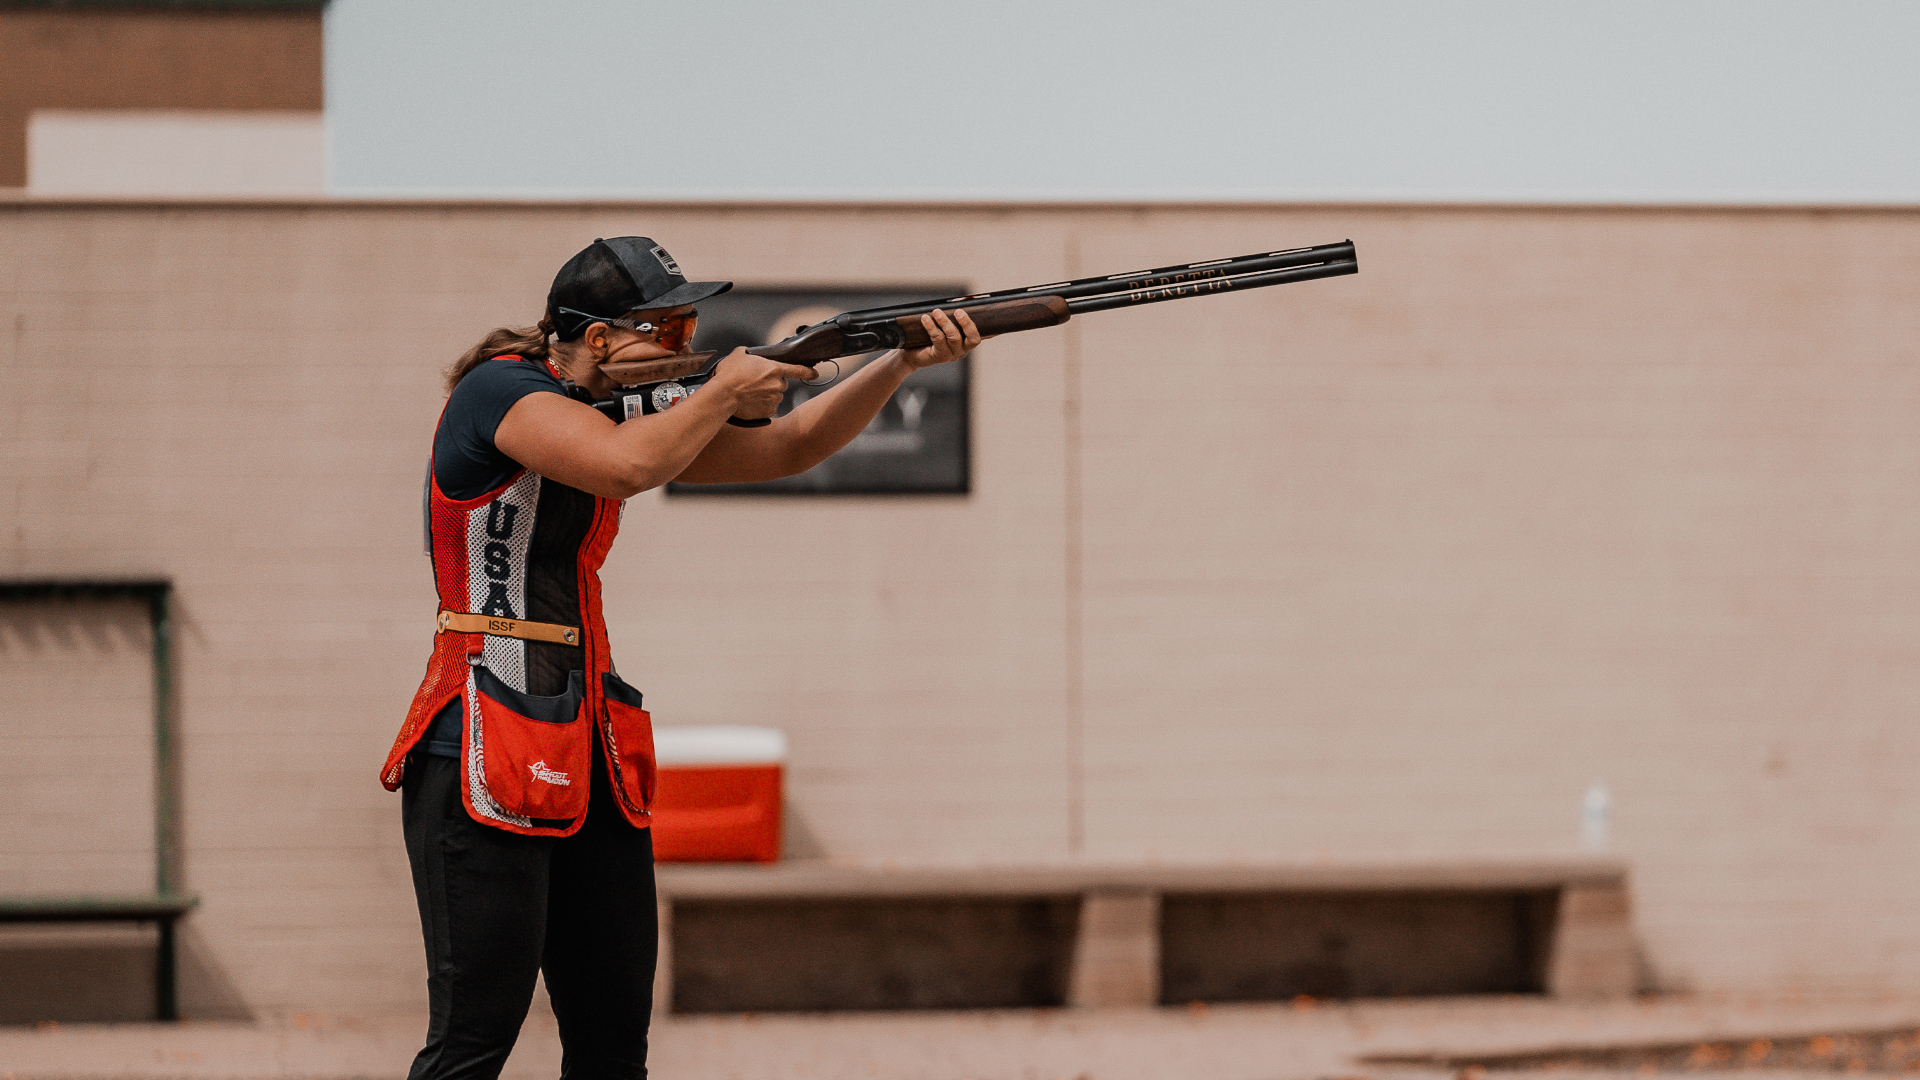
(106, 975)
(797, 838)
(1272, 948)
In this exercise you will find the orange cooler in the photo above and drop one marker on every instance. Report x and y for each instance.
(718, 794)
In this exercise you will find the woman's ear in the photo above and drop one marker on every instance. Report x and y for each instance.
(595, 339)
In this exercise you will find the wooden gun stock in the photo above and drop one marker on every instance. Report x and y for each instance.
(1011, 316)
(646, 372)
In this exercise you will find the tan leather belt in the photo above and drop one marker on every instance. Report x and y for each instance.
(459, 622)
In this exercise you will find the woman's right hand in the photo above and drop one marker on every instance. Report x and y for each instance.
(757, 383)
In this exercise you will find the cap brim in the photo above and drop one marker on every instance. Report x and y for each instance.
(691, 293)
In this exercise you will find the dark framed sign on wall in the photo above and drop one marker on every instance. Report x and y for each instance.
(918, 443)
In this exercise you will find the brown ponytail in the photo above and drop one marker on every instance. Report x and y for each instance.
(527, 341)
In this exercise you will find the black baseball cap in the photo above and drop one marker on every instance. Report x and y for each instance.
(612, 277)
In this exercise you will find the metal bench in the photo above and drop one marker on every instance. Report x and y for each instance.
(162, 911)
(165, 906)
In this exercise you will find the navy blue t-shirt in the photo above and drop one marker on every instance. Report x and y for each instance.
(468, 465)
(465, 461)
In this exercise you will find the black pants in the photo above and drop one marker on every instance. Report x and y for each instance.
(496, 907)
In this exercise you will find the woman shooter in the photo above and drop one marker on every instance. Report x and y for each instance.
(526, 762)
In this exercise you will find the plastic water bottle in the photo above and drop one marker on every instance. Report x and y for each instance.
(1596, 816)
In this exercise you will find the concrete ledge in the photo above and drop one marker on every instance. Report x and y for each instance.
(1118, 945)
(825, 879)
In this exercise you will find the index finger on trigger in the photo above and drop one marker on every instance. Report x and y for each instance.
(795, 371)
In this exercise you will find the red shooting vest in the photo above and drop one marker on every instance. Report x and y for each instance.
(530, 549)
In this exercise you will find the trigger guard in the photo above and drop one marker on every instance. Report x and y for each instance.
(829, 380)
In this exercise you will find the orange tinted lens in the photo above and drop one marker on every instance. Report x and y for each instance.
(675, 330)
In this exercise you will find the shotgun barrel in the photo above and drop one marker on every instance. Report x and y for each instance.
(1184, 290)
(1131, 281)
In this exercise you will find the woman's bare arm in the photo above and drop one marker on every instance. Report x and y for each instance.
(573, 443)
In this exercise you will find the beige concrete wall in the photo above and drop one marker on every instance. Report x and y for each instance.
(1390, 564)
(76, 739)
(166, 153)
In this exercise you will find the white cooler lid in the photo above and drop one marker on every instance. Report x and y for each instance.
(719, 745)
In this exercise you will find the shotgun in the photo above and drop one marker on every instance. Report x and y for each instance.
(649, 386)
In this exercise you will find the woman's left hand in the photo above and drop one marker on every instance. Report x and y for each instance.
(950, 337)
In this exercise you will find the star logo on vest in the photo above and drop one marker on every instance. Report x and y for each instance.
(546, 775)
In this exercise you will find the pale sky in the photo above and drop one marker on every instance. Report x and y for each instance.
(1532, 100)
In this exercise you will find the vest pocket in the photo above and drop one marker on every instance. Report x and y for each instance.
(629, 743)
(537, 750)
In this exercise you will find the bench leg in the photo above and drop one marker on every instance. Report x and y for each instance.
(165, 984)
(1593, 954)
(1116, 960)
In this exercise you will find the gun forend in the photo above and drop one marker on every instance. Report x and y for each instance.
(1006, 317)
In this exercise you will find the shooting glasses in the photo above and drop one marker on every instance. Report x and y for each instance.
(671, 331)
